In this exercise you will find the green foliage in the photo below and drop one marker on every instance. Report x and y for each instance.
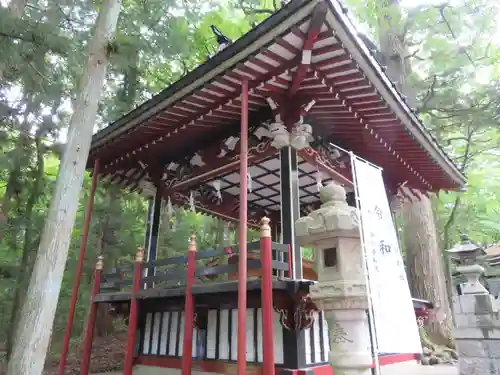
(453, 54)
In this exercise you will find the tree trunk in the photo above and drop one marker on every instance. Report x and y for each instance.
(424, 263)
(423, 253)
(29, 249)
(112, 218)
(37, 316)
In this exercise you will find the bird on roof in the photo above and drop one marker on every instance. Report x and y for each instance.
(222, 40)
(464, 237)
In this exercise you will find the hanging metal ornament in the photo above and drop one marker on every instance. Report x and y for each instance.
(231, 142)
(280, 135)
(301, 136)
(170, 208)
(216, 186)
(249, 182)
(191, 202)
(319, 180)
(170, 214)
(143, 166)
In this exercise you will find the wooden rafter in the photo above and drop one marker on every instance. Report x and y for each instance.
(183, 127)
(361, 118)
(317, 21)
(348, 107)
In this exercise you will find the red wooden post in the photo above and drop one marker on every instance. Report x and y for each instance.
(266, 259)
(89, 331)
(187, 348)
(242, 265)
(78, 271)
(134, 309)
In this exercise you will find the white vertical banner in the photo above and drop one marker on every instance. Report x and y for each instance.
(394, 320)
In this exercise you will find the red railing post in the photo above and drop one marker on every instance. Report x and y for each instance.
(79, 268)
(267, 297)
(187, 347)
(134, 309)
(89, 330)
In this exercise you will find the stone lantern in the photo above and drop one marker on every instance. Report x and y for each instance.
(477, 326)
(465, 254)
(333, 233)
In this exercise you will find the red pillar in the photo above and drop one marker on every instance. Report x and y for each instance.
(242, 265)
(187, 348)
(134, 309)
(89, 330)
(267, 297)
(78, 271)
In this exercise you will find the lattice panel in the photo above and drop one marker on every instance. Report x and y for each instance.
(265, 184)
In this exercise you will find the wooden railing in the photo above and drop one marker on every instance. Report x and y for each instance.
(212, 266)
(186, 272)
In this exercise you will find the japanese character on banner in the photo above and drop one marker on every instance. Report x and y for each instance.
(374, 260)
(384, 248)
(378, 211)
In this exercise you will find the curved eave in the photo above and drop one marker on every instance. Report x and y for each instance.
(293, 12)
(344, 27)
(382, 127)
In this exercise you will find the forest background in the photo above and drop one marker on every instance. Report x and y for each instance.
(452, 56)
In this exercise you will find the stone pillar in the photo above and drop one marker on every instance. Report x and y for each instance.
(477, 316)
(332, 231)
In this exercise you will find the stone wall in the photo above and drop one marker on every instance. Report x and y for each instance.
(477, 333)
(494, 285)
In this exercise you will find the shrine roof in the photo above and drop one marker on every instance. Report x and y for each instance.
(355, 104)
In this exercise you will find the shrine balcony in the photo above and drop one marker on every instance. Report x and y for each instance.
(216, 272)
(161, 306)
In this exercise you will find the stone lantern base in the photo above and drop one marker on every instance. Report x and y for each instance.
(345, 307)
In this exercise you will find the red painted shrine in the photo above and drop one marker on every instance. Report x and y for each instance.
(248, 135)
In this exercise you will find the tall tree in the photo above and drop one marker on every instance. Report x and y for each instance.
(423, 253)
(35, 326)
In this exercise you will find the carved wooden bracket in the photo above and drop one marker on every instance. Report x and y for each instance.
(300, 316)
